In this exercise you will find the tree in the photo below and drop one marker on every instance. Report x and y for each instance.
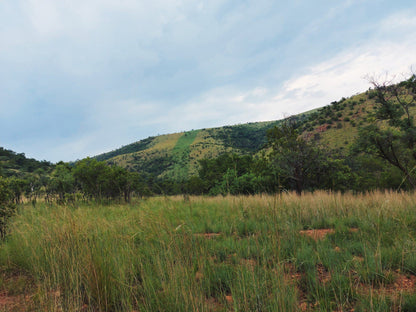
(392, 133)
(294, 158)
(91, 175)
(17, 186)
(7, 207)
(99, 180)
(62, 181)
(219, 175)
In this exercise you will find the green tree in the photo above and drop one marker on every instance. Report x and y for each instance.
(219, 174)
(101, 181)
(7, 206)
(62, 181)
(17, 187)
(295, 159)
(92, 177)
(392, 133)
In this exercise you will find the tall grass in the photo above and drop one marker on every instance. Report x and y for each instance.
(218, 253)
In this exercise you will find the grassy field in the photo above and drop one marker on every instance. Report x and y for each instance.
(318, 252)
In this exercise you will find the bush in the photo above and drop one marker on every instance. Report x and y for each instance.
(7, 207)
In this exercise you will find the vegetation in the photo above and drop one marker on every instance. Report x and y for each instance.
(342, 136)
(392, 134)
(318, 252)
(17, 165)
(372, 147)
(301, 223)
(7, 205)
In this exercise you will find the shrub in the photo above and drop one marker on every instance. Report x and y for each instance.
(7, 206)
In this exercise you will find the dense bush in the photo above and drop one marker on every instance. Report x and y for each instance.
(7, 207)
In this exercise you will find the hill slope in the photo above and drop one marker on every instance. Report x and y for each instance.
(176, 155)
(17, 165)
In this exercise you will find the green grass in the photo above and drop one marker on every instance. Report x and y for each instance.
(180, 155)
(161, 254)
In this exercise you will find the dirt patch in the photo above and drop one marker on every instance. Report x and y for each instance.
(208, 235)
(214, 305)
(358, 258)
(317, 234)
(304, 306)
(291, 275)
(14, 303)
(251, 263)
(229, 298)
(324, 276)
(199, 276)
(402, 284)
(322, 128)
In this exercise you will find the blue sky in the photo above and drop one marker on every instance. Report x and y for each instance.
(78, 78)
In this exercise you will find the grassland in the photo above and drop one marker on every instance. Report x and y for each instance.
(318, 252)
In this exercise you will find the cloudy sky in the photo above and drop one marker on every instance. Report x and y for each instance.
(82, 77)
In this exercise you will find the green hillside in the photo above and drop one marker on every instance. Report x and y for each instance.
(176, 155)
(215, 160)
(336, 125)
(14, 164)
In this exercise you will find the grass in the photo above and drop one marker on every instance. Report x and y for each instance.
(181, 153)
(215, 254)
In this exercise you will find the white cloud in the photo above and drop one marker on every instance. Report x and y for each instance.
(340, 76)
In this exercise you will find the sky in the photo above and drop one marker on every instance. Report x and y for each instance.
(83, 77)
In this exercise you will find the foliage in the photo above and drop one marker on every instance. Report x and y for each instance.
(62, 181)
(247, 138)
(293, 157)
(299, 153)
(392, 135)
(131, 148)
(99, 181)
(7, 207)
(16, 164)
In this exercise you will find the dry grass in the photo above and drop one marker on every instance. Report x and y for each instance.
(242, 253)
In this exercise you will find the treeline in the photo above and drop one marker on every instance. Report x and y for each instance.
(88, 179)
(302, 167)
(383, 156)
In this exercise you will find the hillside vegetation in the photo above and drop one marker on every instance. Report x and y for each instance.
(14, 164)
(177, 155)
(361, 143)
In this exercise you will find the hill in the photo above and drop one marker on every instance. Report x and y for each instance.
(14, 164)
(176, 155)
